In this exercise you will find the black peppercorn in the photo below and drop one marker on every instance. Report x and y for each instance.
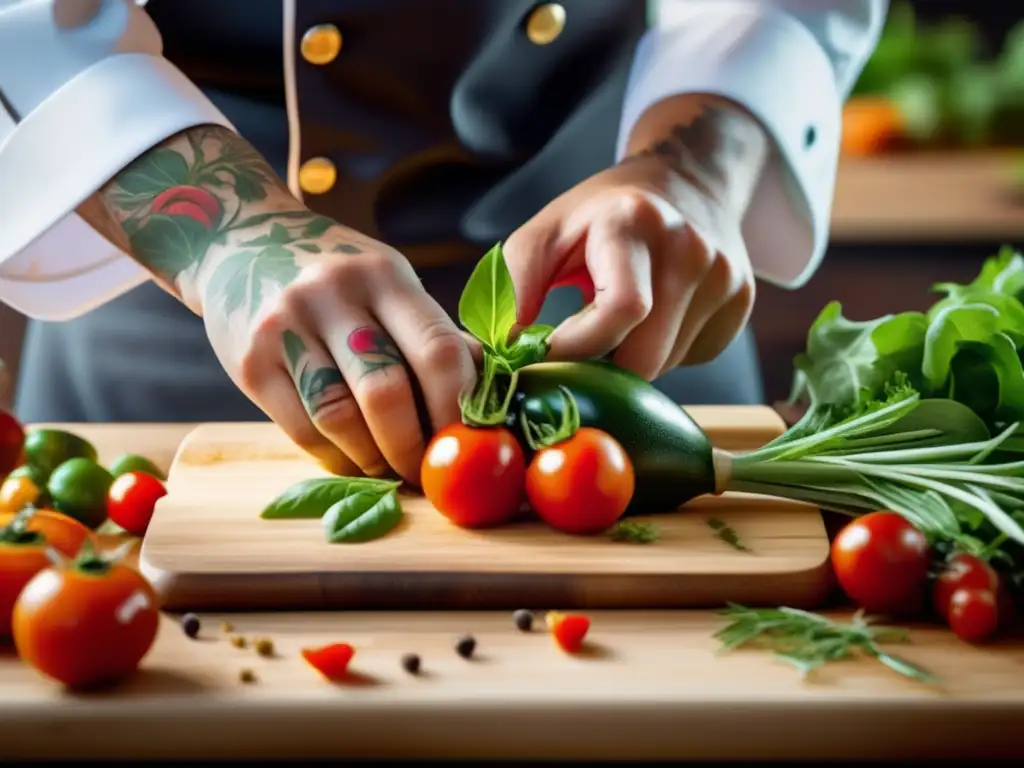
(465, 646)
(523, 619)
(411, 663)
(190, 625)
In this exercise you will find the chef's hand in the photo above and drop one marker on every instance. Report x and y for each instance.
(335, 347)
(654, 242)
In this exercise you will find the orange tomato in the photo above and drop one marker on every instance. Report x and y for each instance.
(20, 561)
(63, 533)
(86, 624)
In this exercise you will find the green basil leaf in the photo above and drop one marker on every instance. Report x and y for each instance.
(312, 498)
(487, 307)
(529, 347)
(362, 517)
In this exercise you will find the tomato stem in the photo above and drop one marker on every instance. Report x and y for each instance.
(16, 531)
(540, 434)
(483, 408)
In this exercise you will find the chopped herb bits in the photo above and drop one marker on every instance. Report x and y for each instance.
(411, 663)
(190, 625)
(523, 619)
(226, 627)
(247, 676)
(238, 641)
(465, 646)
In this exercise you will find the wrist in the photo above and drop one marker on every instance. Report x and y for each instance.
(704, 141)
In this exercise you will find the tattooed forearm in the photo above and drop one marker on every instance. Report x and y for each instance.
(319, 386)
(712, 142)
(207, 215)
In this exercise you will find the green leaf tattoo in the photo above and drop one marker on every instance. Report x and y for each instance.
(373, 348)
(319, 386)
(195, 196)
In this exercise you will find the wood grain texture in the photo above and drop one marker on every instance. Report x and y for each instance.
(652, 687)
(207, 547)
(936, 197)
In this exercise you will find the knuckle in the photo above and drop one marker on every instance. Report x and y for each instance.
(339, 415)
(443, 347)
(384, 390)
(633, 206)
(698, 259)
(631, 304)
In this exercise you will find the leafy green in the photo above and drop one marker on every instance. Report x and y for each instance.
(487, 307)
(362, 516)
(808, 641)
(312, 498)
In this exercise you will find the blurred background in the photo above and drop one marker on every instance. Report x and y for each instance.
(931, 179)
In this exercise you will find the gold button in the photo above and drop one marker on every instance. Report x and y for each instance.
(317, 175)
(321, 44)
(545, 24)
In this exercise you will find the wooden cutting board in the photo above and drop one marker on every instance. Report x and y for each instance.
(208, 548)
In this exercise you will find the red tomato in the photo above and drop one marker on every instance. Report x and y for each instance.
(569, 630)
(474, 475)
(962, 570)
(131, 499)
(331, 661)
(581, 485)
(87, 623)
(973, 614)
(22, 556)
(12, 442)
(881, 561)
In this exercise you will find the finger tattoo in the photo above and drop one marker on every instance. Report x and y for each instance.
(318, 386)
(374, 349)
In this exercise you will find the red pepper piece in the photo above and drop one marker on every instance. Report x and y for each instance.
(568, 630)
(331, 661)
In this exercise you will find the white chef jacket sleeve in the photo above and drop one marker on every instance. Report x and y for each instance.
(792, 64)
(84, 90)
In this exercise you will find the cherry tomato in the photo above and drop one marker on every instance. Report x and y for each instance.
(474, 476)
(973, 614)
(569, 630)
(881, 561)
(22, 556)
(12, 442)
(581, 485)
(331, 661)
(131, 500)
(87, 623)
(962, 570)
(63, 533)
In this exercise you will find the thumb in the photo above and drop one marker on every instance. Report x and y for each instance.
(533, 260)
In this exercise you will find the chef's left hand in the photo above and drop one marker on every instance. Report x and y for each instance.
(661, 258)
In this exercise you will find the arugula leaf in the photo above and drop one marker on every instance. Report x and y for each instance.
(312, 498)
(487, 307)
(362, 517)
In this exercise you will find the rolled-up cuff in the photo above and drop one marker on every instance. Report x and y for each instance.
(768, 62)
(52, 265)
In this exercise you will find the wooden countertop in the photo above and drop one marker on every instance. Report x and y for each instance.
(654, 689)
(915, 197)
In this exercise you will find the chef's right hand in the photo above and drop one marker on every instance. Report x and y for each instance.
(326, 336)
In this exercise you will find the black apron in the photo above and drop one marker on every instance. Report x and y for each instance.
(449, 128)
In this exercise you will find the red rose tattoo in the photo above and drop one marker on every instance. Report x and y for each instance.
(373, 348)
(193, 202)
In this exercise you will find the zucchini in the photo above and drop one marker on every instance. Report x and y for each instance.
(671, 455)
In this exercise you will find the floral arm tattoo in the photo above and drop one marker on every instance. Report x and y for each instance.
(215, 225)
